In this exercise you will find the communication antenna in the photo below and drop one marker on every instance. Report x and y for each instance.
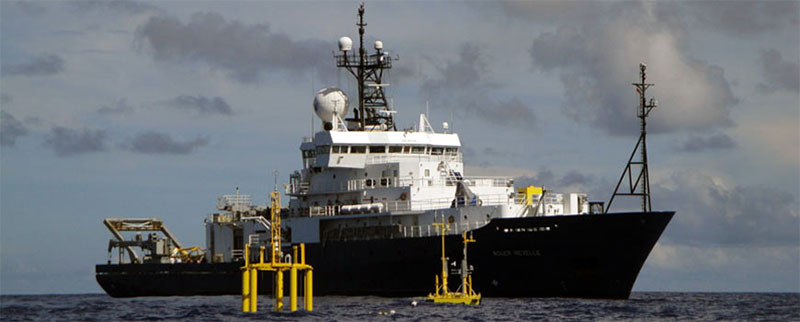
(368, 70)
(640, 186)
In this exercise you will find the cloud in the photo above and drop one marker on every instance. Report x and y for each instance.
(598, 62)
(684, 268)
(245, 51)
(28, 7)
(714, 142)
(122, 6)
(119, 107)
(68, 142)
(778, 74)
(710, 212)
(6, 99)
(202, 105)
(734, 18)
(461, 86)
(44, 65)
(160, 143)
(572, 180)
(10, 129)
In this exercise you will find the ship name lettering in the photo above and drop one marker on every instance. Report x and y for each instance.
(518, 252)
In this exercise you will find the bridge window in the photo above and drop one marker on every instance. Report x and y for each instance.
(339, 149)
(358, 149)
(395, 149)
(451, 151)
(418, 149)
(377, 149)
(436, 151)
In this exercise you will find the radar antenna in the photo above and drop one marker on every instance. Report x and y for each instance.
(372, 111)
(642, 180)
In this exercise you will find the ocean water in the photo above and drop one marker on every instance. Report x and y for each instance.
(641, 306)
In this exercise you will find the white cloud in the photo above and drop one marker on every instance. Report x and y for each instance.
(598, 62)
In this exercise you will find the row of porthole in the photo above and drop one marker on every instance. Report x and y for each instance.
(529, 229)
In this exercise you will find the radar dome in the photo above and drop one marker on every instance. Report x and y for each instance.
(329, 102)
(345, 44)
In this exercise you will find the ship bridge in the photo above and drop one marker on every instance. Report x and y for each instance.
(358, 149)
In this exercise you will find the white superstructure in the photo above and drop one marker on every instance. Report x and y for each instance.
(397, 171)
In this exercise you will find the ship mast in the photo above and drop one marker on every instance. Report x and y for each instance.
(640, 187)
(373, 111)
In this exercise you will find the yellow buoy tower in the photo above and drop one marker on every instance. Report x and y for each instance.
(277, 265)
(464, 294)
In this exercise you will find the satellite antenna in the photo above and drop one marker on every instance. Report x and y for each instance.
(640, 185)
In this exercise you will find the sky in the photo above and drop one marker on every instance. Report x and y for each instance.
(154, 109)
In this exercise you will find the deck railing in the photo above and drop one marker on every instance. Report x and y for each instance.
(394, 182)
(400, 206)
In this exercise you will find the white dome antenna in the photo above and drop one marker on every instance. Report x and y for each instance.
(345, 44)
(330, 102)
(378, 45)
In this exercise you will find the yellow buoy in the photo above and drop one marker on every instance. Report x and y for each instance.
(466, 295)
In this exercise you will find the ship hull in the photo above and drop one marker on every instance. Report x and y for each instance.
(589, 256)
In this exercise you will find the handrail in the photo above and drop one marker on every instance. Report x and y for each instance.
(393, 157)
(395, 182)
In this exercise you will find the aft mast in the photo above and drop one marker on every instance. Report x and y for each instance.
(372, 113)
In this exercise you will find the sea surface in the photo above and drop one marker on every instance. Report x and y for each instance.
(641, 306)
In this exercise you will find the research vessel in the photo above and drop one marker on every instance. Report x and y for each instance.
(365, 201)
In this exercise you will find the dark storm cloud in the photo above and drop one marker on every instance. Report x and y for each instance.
(10, 129)
(202, 105)
(161, 143)
(461, 86)
(597, 63)
(122, 6)
(778, 74)
(714, 142)
(68, 142)
(245, 51)
(44, 65)
(712, 214)
(119, 107)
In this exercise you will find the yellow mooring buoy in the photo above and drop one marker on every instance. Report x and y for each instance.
(464, 294)
(276, 264)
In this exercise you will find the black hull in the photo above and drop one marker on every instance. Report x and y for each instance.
(589, 256)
